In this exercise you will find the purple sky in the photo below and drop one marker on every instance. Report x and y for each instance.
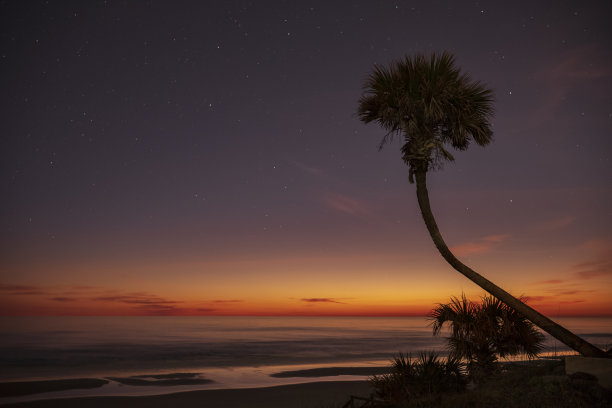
(138, 136)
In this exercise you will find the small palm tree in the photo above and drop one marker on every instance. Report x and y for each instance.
(482, 333)
(433, 106)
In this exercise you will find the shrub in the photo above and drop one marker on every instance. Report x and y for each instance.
(426, 375)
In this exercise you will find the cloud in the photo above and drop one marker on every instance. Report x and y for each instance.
(571, 302)
(581, 64)
(598, 267)
(347, 205)
(479, 246)
(592, 269)
(145, 302)
(550, 282)
(580, 67)
(555, 295)
(313, 171)
(570, 292)
(159, 309)
(321, 300)
(600, 247)
(136, 299)
(139, 302)
(528, 299)
(555, 224)
(564, 291)
(151, 304)
(151, 301)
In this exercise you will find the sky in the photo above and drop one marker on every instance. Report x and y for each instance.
(198, 158)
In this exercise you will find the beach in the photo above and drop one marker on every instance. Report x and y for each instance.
(211, 361)
(307, 395)
(303, 388)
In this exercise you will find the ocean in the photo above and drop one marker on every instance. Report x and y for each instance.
(231, 351)
(50, 347)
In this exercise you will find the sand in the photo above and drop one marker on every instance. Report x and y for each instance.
(309, 395)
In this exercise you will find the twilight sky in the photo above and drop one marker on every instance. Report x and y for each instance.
(206, 158)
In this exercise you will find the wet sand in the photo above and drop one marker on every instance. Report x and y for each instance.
(333, 371)
(309, 395)
(20, 388)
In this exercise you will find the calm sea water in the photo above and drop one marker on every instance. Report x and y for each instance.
(43, 347)
(70, 347)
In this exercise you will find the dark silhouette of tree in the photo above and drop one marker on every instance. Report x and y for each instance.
(432, 105)
(482, 333)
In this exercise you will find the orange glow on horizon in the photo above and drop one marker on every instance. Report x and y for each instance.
(94, 302)
(378, 284)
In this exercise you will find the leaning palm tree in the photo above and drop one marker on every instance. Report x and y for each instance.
(433, 106)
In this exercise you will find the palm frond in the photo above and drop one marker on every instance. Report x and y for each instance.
(429, 102)
(482, 333)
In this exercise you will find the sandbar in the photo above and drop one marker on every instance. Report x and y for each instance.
(333, 371)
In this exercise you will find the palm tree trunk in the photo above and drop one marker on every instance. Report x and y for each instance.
(563, 335)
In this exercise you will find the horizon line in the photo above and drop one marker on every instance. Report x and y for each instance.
(269, 315)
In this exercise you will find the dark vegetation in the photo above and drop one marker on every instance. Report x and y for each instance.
(537, 384)
(427, 375)
(473, 376)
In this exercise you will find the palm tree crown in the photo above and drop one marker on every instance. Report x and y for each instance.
(429, 103)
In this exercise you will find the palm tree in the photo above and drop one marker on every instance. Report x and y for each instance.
(432, 105)
(480, 333)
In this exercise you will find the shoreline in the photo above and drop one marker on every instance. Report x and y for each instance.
(333, 372)
(306, 395)
(142, 385)
(209, 379)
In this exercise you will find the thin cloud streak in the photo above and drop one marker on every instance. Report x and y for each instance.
(480, 246)
(580, 67)
(348, 205)
(321, 300)
(550, 282)
(592, 269)
(529, 299)
(136, 299)
(313, 171)
(555, 224)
